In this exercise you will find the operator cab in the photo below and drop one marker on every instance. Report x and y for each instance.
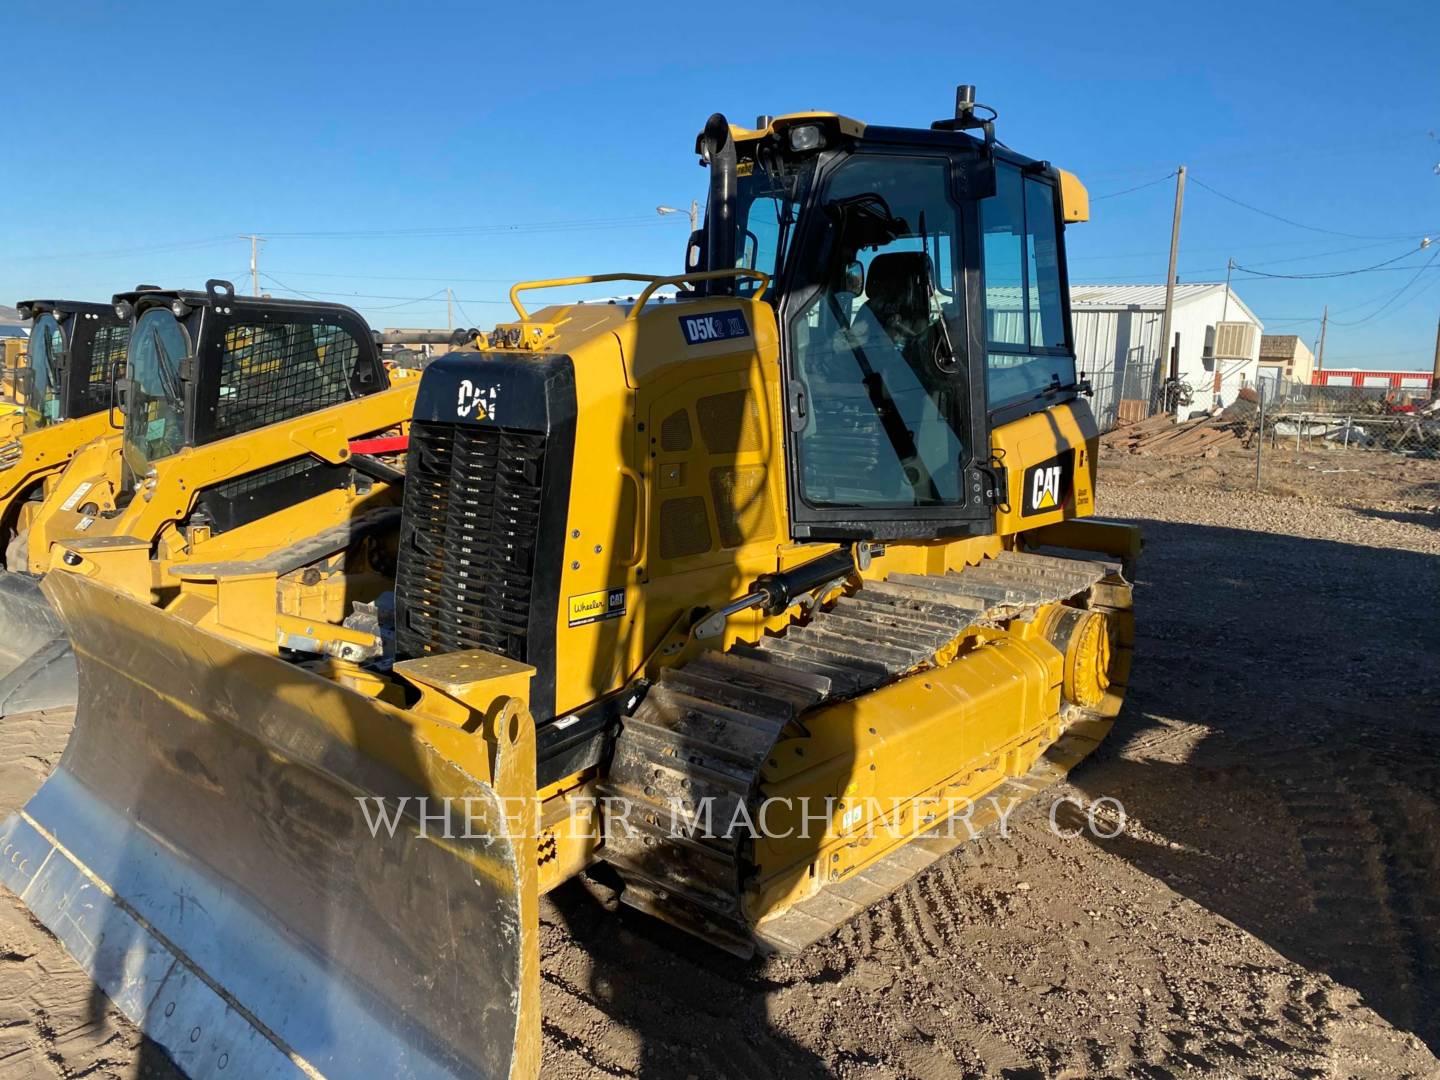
(72, 354)
(209, 365)
(919, 284)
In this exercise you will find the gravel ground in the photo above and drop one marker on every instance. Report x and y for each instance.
(1271, 908)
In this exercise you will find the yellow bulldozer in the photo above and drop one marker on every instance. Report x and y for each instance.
(748, 598)
(238, 415)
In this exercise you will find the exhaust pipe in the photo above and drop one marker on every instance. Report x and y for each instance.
(422, 337)
(718, 150)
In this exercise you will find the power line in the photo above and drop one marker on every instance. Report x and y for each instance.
(1334, 273)
(583, 224)
(276, 281)
(1398, 293)
(404, 301)
(1246, 247)
(1291, 221)
(1137, 187)
(397, 277)
(119, 253)
(372, 296)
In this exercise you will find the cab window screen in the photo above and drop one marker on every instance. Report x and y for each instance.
(108, 348)
(276, 371)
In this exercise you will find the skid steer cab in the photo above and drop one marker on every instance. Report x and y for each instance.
(754, 594)
(63, 396)
(234, 453)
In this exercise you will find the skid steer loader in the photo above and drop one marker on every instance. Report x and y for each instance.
(13, 356)
(62, 401)
(746, 599)
(235, 441)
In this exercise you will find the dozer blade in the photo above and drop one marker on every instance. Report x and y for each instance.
(37, 666)
(201, 853)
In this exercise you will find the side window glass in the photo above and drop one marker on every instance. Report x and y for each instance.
(1003, 220)
(1047, 315)
(1024, 306)
(277, 371)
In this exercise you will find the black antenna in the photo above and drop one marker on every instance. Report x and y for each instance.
(965, 115)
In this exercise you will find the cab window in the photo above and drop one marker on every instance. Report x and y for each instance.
(155, 399)
(271, 372)
(874, 347)
(1024, 308)
(766, 207)
(40, 382)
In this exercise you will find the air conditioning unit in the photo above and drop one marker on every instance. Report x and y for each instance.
(1234, 340)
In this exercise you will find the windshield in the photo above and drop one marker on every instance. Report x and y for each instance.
(155, 400)
(40, 381)
(886, 403)
(766, 204)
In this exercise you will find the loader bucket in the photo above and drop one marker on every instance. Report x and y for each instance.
(200, 851)
(37, 667)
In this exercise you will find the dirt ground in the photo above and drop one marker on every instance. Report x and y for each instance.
(1270, 909)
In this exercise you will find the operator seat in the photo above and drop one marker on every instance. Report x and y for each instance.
(897, 292)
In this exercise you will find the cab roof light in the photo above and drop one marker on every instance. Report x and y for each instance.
(806, 137)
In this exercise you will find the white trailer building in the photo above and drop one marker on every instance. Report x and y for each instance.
(1117, 343)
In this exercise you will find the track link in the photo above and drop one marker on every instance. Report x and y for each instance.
(689, 760)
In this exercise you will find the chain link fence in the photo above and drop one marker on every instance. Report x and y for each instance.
(1355, 417)
(1126, 396)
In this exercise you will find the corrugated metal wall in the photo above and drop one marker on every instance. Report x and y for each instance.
(1116, 350)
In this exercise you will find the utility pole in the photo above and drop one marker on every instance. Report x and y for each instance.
(1320, 350)
(1435, 372)
(1165, 346)
(255, 242)
(449, 308)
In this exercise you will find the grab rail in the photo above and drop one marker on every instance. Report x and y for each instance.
(652, 281)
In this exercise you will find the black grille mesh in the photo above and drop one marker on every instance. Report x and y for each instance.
(467, 554)
(262, 478)
(93, 385)
(273, 372)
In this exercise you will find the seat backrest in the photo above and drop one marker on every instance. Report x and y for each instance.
(897, 290)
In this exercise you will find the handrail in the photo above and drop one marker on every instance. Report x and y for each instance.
(653, 282)
(552, 283)
(700, 275)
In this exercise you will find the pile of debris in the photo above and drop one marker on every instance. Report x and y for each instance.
(1161, 435)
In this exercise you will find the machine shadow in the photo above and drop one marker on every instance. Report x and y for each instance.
(1308, 812)
(699, 1011)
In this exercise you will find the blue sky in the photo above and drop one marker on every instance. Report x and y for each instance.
(389, 150)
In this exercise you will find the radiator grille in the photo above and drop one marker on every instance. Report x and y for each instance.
(467, 555)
